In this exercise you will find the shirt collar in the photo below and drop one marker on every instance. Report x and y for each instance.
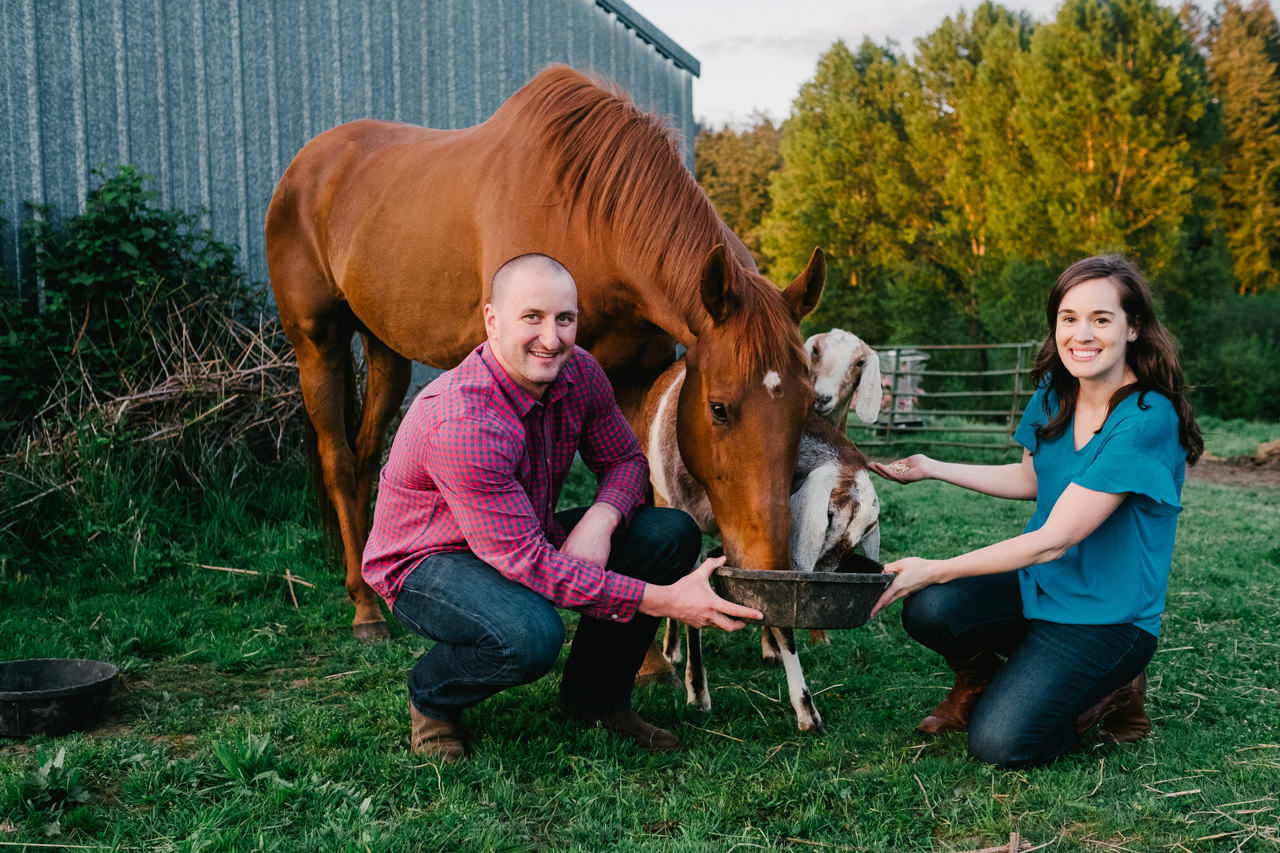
(523, 400)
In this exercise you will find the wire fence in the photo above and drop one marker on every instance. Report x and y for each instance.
(950, 395)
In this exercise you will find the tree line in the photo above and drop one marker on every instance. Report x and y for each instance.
(950, 187)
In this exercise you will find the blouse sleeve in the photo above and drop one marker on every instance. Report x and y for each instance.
(1033, 417)
(1138, 454)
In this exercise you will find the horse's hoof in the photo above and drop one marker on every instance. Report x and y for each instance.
(370, 632)
(661, 677)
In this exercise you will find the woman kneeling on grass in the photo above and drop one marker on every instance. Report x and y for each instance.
(1051, 631)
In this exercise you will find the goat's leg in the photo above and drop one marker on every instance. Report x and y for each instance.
(818, 637)
(671, 642)
(806, 714)
(695, 674)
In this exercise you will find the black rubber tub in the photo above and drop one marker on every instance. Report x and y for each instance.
(807, 599)
(53, 695)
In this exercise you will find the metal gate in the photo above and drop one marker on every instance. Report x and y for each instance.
(950, 395)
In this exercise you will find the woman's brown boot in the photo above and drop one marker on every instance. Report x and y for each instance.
(1122, 712)
(972, 678)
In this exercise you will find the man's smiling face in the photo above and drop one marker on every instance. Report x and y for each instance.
(532, 321)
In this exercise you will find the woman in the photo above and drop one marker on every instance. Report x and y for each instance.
(1051, 631)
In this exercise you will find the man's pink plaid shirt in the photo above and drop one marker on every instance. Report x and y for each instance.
(477, 465)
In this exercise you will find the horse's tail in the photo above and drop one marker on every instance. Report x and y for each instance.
(325, 510)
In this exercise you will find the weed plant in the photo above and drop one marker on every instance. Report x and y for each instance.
(242, 722)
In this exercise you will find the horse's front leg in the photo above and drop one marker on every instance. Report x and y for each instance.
(695, 674)
(806, 714)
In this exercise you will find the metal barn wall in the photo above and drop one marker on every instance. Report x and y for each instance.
(214, 97)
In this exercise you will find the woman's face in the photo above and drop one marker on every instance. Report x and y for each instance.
(1092, 332)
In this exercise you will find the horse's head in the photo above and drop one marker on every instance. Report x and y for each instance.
(744, 402)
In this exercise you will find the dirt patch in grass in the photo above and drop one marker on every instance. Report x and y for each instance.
(1260, 469)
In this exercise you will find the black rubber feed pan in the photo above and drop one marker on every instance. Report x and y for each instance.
(52, 695)
(841, 599)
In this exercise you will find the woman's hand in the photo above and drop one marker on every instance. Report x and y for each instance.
(908, 470)
(909, 575)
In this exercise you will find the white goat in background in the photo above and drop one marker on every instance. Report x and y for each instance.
(844, 371)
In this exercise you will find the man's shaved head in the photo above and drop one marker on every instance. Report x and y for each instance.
(531, 320)
(530, 263)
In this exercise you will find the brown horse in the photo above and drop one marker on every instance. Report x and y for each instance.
(394, 232)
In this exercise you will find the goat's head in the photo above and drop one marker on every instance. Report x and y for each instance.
(844, 371)
(834, 510)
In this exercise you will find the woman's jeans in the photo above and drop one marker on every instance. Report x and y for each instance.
(1054, 672)
(492, 633)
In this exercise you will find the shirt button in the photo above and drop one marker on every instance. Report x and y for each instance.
(614, 616)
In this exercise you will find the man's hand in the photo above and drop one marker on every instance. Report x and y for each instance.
(591, 538)
(691, 600)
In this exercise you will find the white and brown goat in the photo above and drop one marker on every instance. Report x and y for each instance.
(834, 508)
(845, 371)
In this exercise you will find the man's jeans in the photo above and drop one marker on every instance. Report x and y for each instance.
(1053, 673)
(492, 633)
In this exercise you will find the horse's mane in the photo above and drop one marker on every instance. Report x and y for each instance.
(623, 166)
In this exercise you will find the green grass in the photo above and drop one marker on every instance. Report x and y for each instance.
(243, 723)
(1236, 437)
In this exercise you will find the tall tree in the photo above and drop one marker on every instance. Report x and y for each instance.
(1115, 112)
(734, 168)
(844, 138)
(965, 149)
(1246, 79)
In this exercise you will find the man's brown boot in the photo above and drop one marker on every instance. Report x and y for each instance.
(972, 678)
(432, 738)
(628, 724)
(1122, 712)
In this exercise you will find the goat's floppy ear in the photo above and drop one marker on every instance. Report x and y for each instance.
(717, 296)
(867, 401)
(803, 293)
(809, 506)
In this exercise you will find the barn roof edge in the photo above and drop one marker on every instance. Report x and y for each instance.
(644, 28)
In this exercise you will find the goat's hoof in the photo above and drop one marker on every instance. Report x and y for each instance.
(370, 632)
(813, 728)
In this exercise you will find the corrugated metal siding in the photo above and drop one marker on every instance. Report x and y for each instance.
(214, 97)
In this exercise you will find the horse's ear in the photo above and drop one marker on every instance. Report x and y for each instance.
(717, 297)
(802, 296)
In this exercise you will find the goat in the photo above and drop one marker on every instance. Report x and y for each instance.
(833, 505)
(845, 371)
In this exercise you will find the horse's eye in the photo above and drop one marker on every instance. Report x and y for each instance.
(719, 413)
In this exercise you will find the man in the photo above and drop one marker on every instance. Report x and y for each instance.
(466, 546)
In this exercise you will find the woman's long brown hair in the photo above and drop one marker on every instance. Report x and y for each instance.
(1153, 356)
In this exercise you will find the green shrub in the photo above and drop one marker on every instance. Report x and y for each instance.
(1232, 356)
(112, 278)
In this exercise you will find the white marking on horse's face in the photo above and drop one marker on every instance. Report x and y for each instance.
(773, 383)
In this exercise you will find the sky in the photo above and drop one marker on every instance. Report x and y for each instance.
(755, 54)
